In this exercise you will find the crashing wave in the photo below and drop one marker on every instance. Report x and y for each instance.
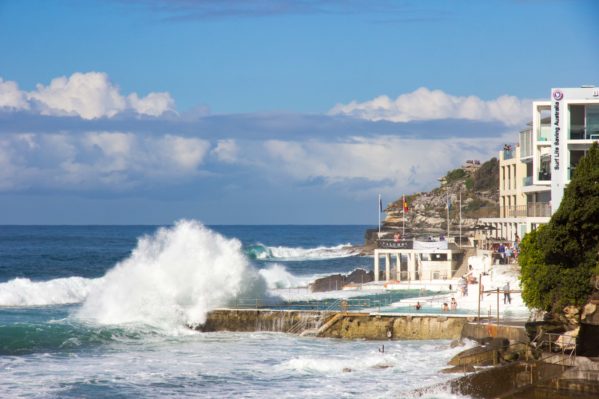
(22, 292)
(174, 278)
(264, 252)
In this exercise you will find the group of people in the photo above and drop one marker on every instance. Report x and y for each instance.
(453, 305)
(508, 253)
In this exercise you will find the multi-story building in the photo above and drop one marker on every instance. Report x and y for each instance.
(534, 173)
(574, 128)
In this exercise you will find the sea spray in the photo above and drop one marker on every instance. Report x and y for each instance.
(277, 277)
(298, 254)
(174, 278)
(22, 292)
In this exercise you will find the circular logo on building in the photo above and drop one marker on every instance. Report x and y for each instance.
(558, 95)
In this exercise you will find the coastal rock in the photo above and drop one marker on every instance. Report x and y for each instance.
(587, 342)
(571, 316)
(338, 281)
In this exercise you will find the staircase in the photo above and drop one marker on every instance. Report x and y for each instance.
(313, 327)
(463, 269)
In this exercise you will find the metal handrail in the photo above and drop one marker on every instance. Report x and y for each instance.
(551, 340)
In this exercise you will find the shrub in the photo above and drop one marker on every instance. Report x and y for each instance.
(455, 175)
(487, 176)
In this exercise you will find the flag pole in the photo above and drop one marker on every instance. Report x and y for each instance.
(380, 206)
(460, 219)
(448, 214)
(403, 207)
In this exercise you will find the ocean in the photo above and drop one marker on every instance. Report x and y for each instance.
(102, 312)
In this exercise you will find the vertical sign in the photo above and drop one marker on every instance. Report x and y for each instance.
(556, 173)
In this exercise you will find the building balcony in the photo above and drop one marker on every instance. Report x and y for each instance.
(544, 176)
(527, 181)
(538, 209)
(533, 209)
(508, 154)
(544, 133)
(583, 133)
(514, 211)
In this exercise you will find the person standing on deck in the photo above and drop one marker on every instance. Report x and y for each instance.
(506, 293)
(501, 252)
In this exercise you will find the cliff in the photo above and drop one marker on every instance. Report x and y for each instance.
(479, 188)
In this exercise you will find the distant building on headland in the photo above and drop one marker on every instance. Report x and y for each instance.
(534, 173)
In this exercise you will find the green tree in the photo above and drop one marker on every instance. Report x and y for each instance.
(574, 238)
(559, 259)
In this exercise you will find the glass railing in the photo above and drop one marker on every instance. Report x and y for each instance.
(508, 154)
(544, 133)
(532, 209)
(527, 181)
(578, 132)
(538, 209)
(514, 211)
(544, 176)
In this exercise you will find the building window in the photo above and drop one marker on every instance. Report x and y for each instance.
(577, 131)
(592, 122)
(545, 169)
(544, 130)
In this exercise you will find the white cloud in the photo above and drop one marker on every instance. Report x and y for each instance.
(154, 104)
(226, 151)
(11, 97)
(94, 160)
(425, 104)
(88, 95)
(392, 165)
(183, 154)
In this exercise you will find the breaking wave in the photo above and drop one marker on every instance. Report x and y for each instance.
(22, 292)
(174, 278)
(277, 277)
(264, 252)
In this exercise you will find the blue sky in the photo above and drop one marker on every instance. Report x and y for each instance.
(146, 111)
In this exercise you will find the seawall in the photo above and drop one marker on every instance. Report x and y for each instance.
(483, 330)
(247, 320)
(338, 324)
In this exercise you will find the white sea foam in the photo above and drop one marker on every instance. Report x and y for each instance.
(22, 292)
(174, 278)
(339, 364)
(302, 254)
(229, 364)
(277, 277)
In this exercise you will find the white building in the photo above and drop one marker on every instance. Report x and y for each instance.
(574, 127)
(533, 175)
